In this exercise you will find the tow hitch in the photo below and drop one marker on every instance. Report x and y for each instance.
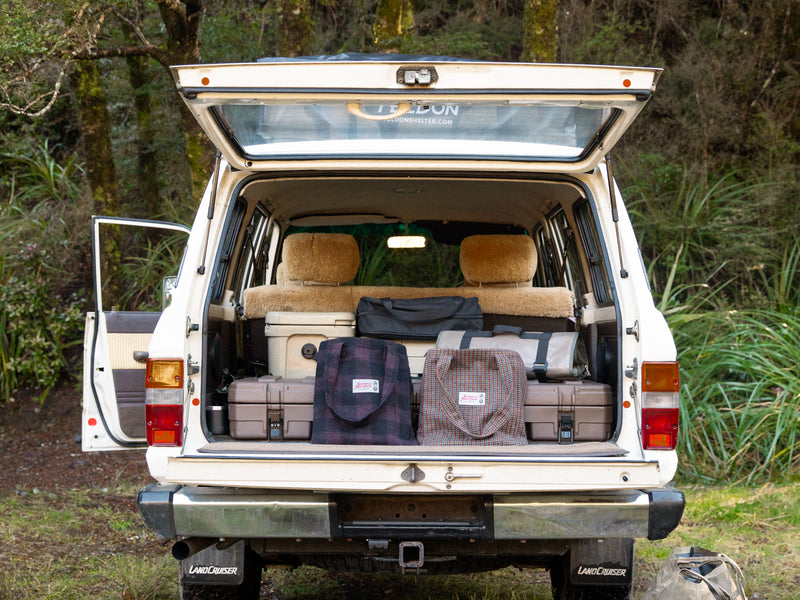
(412, 556)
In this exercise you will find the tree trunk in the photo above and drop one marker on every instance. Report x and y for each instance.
(182, 20)
(296, 27)
(149, 184)
(100, 170)
(540, 39)
(393, 18)
(96, 129)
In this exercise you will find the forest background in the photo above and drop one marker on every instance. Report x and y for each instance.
(90, 123)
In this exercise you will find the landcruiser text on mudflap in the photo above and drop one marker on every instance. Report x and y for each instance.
(495, 182)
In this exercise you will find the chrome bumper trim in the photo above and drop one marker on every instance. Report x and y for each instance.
(562, 516)
(219, 512)
(191, 511)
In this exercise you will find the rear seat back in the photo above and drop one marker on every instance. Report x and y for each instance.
(312, 276)
(320, 259)
(498, 260)
(498, 270)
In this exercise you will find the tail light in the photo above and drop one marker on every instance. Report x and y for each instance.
(164, 402)
(660, 408)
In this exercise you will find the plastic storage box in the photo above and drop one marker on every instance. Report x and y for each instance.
(572, 411)
(271, 408)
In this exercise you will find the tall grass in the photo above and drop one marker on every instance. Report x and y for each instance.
(40, 267)
(782, 283)
(729, 288)
(740, 419)
(704, 231)
(149, 257)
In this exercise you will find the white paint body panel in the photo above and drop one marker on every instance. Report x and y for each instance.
(185, 465)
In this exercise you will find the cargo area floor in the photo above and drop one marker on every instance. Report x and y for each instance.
(587, 449)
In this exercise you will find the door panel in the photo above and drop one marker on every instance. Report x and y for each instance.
(114, 381)
(128, 333)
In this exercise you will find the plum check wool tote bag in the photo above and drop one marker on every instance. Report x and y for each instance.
(472, 397)
(362, 393)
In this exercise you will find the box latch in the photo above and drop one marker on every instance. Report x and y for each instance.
(275, 421)
(565, 429)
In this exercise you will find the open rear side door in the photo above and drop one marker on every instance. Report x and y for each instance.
(119, 330)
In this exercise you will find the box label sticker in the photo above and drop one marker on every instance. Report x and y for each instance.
(366, 386)
(471, 398)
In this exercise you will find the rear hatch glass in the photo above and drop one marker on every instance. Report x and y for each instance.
(551, 117)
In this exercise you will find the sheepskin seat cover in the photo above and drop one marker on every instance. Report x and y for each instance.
(493, 266)
(554, 302)
(498, 259)
(328, 258)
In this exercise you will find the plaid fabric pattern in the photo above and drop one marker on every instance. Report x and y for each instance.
(472, 397)
(362, 393)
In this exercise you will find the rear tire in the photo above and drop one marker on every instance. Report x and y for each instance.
(249, 589)
(614, 592)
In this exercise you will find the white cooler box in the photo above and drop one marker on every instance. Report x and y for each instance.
(416, 350)
(293, 339)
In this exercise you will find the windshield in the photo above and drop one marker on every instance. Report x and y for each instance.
(513, 129)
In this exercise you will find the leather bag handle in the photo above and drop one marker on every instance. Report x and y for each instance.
(432, 314)
(330, 384)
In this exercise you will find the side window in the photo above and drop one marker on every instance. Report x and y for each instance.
(547, 271)
(135, 259)
(228, 246)
(594, 255)
(558, 255)
(570, 274)
(258, 251)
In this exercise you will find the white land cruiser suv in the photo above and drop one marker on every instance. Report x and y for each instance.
(319, 163)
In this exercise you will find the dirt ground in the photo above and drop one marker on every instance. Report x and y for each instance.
(41, 450)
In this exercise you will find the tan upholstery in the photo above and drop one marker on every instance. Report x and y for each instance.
(499, 260)
(280, 275)
(499, 269)
(555, 302)
(322, 258)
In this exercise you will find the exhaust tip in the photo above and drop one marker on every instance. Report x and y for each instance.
(183, 549)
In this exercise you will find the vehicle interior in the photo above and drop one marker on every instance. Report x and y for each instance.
(310, 245)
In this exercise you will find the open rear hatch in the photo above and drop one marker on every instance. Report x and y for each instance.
(554, 118)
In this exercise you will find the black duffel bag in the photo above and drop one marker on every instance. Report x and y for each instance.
(417, 318)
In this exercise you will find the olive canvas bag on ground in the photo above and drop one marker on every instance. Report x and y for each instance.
(362, 393)
(694, 573)
(472, 397)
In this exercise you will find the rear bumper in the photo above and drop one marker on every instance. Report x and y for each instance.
(174, 511)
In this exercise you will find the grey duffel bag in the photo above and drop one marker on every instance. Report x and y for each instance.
(548, 356)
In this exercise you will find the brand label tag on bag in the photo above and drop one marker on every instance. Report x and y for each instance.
(366, 386)
(471, 398)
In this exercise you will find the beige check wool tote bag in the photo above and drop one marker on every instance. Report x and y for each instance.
(472, 396)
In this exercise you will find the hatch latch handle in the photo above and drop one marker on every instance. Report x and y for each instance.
(355, 109)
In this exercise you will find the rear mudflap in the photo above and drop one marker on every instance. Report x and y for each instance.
(215, 565)
(601, 562)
